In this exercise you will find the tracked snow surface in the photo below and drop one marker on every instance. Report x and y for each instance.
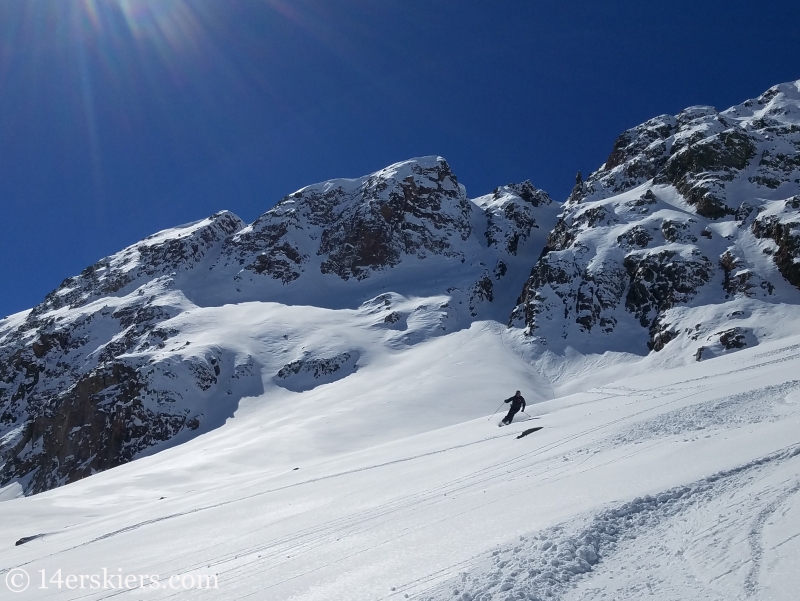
(301, 408)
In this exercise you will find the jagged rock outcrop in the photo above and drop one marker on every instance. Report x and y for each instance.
(357, 227)
(510, 214)
(779, 222)
(74, 396)
(307, 373)
(706, 155)
(679, 215)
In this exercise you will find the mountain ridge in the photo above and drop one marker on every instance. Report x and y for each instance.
(106, 369)
(685, 243)
(682, 204)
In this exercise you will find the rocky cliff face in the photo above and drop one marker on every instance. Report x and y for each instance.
(682, 214)
(356, 227)
(405, 228)
(85, 383)
(778, 224)
(119, 361)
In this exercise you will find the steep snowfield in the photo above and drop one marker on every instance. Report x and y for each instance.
(675, 484)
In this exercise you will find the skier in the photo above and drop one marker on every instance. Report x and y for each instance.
(517, 404)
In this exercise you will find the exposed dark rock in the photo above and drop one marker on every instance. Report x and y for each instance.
(637, 156)
(741, 281)
(500, 269)
(73, 405)
(699, 169)
(561, 237)
(93, 427)
(721, 342)
(157, 255)
(393, 317)
(784, 230)
(677, 231)
(529, 193)
(315, 367)
(661, 280)
(361, 230)
(643, 203)
(310, 372)
(481, 291)
(510, 215)
(662, 335)
(735, 338)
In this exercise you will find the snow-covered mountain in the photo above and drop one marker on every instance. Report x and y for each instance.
(687, 235)
(308, 397)
(160, 341)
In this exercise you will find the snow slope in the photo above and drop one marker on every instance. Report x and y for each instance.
(677, 482)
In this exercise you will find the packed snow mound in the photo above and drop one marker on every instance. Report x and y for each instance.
(692, 216)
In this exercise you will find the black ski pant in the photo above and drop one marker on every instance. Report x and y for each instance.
(511, 413)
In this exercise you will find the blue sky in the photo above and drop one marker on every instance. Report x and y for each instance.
(122, 117)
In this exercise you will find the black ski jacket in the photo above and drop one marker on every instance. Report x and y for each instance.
(517, 402)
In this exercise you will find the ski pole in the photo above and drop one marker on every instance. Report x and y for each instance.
(495, 411)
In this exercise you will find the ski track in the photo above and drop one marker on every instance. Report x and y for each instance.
(138, 525)
(755, 536)
(664, 390)
(549, 564)
(274, 554)
(749, 407)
